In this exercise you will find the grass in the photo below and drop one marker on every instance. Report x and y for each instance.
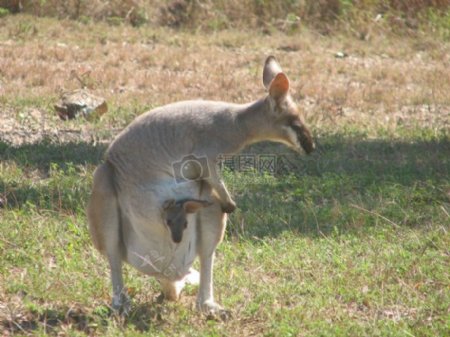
(352, 241)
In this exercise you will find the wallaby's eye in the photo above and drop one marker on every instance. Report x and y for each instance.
(296, 124)
(169, 223)
(185, 225)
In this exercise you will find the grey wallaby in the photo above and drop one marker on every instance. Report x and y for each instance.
(164, 154)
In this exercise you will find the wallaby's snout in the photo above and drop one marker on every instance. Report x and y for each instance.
(176, 229)
(304, 137)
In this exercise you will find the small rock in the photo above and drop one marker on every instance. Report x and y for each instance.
(80, 102)
(340, 55)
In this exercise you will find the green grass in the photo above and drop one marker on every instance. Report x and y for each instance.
(354, 242)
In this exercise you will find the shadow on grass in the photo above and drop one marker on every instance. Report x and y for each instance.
(349, 183)
(43, 154)
(64, 190)
(49, 320)
(61, 194)
(143, 317)
(406, 162)
(49, 174)
(402, 181)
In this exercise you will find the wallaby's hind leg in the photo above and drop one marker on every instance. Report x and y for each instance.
(104, 225)
(211, 227)
(120, 300)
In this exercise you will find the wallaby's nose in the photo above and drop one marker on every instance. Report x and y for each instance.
(304, 137)
(308, 146)
(177, 237)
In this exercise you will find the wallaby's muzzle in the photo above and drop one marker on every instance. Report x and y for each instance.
(176, 231)
(177, 237)
(304, 137)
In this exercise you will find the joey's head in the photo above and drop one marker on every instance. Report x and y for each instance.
(175, 215)
(284, 121)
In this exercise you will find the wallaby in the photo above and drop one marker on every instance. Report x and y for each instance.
(175, 215)
(165, 154)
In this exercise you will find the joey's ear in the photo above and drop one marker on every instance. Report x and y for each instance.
(271, 69)
(279, 86)
(192, 206)
(168, 204)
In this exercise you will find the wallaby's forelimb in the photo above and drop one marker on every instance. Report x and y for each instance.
(226, 202)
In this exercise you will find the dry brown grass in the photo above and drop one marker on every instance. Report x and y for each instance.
(385, 83)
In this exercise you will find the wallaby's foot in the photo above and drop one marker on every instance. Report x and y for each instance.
(121, 304)
(171, 290)
(228, 207)
(213, 310)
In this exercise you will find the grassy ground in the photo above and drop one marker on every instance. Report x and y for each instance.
(353, 241)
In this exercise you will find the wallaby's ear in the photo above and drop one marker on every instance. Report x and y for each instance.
(279, 86)
(271, 69)
(192, 206)
(168, 204)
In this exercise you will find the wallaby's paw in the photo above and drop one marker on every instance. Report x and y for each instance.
(229, 207)
(214, 311)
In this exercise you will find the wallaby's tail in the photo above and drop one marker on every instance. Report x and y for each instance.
(103, 210)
